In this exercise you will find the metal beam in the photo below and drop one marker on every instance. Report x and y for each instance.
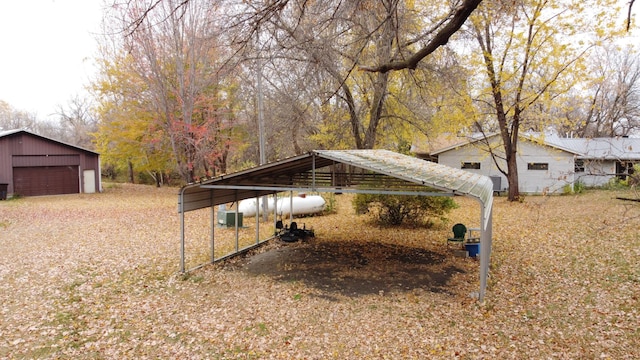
(331, 190)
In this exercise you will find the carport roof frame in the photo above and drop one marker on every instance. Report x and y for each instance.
(278, 176)
(300, 173)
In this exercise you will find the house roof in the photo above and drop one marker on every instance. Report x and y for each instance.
(7, 133)
(618, 148)
(478, 138)
(425, 144)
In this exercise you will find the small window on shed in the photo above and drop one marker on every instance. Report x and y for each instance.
(538, 166)
(579, 166)
(470, 165)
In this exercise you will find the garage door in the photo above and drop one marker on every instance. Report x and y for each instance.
(46, 180)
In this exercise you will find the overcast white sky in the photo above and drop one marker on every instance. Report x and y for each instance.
(47, 49)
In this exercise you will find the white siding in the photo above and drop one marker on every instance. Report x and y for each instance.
(560, 171)
(553, 180)
(597, 172)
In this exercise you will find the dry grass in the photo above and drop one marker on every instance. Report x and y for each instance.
(96, 276)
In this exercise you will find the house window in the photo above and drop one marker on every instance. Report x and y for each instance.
(624, 168)
(579, 166)
(538, 166)
(470, 165)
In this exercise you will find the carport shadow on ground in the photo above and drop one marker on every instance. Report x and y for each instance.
(355, 269)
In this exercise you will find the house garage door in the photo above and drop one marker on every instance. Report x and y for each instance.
(46, 180)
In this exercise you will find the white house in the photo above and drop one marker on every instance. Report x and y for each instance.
(545, 164)
(602, 159)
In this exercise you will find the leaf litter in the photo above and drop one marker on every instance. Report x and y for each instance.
(96, 276)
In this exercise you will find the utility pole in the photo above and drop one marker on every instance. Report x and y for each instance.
(263, 155)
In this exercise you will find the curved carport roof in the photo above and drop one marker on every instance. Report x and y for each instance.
(356, 171)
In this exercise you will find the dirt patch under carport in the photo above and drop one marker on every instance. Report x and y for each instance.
(354, 268)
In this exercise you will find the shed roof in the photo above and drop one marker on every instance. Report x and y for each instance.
(7, 133)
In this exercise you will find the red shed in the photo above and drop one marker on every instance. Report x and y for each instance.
(32, 165)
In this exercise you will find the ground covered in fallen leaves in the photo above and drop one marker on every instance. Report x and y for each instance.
(97, 277)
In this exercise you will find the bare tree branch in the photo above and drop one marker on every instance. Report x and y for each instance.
(629, 14)
(457, 17)
(133, 27)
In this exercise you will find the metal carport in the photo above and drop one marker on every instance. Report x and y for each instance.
(344, 171)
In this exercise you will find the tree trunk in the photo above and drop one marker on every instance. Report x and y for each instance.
(512, 176)
(508, 132)
(131, 177)
(353, 116)
(380, 93)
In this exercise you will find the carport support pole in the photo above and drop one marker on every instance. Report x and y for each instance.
(290, 207)
(485, 252)
(486, 233)
(264, 198)
(213, 225)
(275, 213)
(182, 231)
(237, 206)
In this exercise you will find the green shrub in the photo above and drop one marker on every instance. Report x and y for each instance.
(330, 203)
(396, 209)
(577, 187)
(634, 178)
(145, 178)
(15, 196)
(617, 184)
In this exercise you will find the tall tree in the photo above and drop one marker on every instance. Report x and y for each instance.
(305, 32)
(608, 104)
(434, 36)
(324, 43)
(128, 137)
(12, 119)
(526, 50)
(174, 53)
(335, 38)
(77, 122)
(316, 32)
